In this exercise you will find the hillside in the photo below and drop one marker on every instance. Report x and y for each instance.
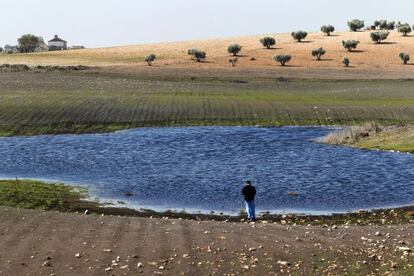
(370, 60)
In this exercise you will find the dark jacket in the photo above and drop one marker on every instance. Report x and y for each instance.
(249, 193)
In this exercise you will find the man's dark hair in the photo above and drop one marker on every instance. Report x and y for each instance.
(248, 182)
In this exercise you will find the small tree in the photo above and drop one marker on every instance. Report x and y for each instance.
(327, 29)
(150, 59)
(390, 26)
(191, 52)
(405, 29)
(318, 53)
(299, 35)
(356, 24)
(268, 42)
(346, 61)
(282, 59)
(233, 61)
(350, 44)
(28, 43)
(378, 37)
(199, 55)
(405, 57)
(1, 49)
(234, 49)
(384, 25)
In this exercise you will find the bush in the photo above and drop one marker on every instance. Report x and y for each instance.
(384, 25)
(150, 59)
(318, 53)
(390, 26)
(346, 61)
(282, 59)
(405, 57)
(350, 44)
(379, 36)
(404, 29)
(299, 35)
(191, 52)
(327, 29)
(199, 55)
(268, 42)
(356, 24)
(234, 49)
(233, 61)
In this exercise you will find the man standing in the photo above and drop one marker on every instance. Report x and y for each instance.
(249, 193)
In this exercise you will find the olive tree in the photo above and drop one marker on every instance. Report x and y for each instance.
(28, 43)
(234, 49)
(268, 42)
(405, 57)
(150, 59)
(199, 55)
(282, 59)
(384, 24)
(346, 61)
(378, 37)
(356, 24)
(191, 52)
(405, 29)
(233, 61)
(327, 29)
(318, 53)
(350, 44)
(299, 35)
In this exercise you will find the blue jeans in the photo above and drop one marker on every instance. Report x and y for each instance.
(251, 209)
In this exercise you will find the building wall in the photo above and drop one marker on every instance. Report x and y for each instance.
(58, 44)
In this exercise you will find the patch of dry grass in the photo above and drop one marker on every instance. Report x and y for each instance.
(352, 135)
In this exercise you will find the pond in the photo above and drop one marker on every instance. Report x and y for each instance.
(203, 169)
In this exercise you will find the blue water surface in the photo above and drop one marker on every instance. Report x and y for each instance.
(203, 168)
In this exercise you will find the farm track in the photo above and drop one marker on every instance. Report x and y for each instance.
(52, 103)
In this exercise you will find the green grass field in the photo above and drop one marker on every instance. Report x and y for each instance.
(63, 103)
(37, 195)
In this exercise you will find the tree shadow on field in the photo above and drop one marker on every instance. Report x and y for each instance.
(331, 35)
(386, 43)
(306, 41)
(272, 49)
(289, 66)
(356, 51)
(323, 59)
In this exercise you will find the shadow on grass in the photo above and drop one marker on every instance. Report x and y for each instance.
(272, 49)
(386, 43)
(323, 59)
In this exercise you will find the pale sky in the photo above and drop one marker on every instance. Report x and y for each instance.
(101, 23)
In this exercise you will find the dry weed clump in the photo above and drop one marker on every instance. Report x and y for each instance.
(352, 134)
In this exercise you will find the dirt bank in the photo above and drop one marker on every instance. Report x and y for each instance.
(52, 243)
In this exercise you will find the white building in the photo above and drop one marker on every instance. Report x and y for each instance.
(57, 44)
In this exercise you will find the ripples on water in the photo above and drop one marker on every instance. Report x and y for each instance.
(203, 168)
